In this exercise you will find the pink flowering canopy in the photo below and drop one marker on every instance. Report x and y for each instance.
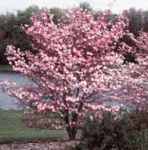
(75, 59)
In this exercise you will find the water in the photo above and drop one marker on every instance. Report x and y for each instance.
(6, 101)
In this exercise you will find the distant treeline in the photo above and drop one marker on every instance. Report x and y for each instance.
(12, 33)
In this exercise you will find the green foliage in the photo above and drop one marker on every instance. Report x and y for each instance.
(112, 133)
(58, 14)
(135, 20)
(138, 20)
(23, 17)
(12, 33)
(145, 24)
(85, 6)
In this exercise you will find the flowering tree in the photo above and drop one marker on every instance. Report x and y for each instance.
(74, 60)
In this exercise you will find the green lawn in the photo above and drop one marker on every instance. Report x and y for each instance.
(5, 68)
(12, 129)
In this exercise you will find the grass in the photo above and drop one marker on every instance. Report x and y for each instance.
(12, 129)
(5, 68)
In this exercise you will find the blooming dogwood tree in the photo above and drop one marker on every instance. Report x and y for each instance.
(72, 61)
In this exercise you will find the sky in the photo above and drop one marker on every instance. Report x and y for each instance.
(115, 5)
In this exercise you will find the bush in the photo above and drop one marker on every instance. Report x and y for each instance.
(112, 132)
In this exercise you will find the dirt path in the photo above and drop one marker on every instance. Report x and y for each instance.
(39, 146)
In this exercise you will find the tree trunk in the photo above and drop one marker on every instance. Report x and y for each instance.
(71, 131)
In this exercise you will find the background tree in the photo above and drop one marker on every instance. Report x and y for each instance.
(6, 23)
(58, 14)
(145, 26)
(23, 17)
(12, 33)
(86, 6)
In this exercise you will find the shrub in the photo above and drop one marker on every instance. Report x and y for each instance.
(112, 132)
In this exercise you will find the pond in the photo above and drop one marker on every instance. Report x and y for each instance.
(7, 102)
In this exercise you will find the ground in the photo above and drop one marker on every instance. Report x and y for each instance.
(14, 135)
(13, 129)
(40, 146)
